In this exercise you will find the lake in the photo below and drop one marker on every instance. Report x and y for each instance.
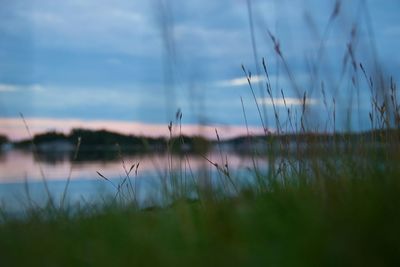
(22, 181)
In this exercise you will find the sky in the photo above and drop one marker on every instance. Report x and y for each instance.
(129, 65)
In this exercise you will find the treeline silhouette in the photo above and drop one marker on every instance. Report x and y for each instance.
(3, 139)
(107, 140)
(110, 144)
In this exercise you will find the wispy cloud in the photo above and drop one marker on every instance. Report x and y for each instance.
(240, 81)
(15, 88)
(7, 88)
(106, 27)
(288, 101)
(14, 128)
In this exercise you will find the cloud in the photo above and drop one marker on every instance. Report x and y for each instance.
(92, 25)
(284, 82)
(15, 129)
(16, 88)
(240, 81)
(290, 101)
(7, 88)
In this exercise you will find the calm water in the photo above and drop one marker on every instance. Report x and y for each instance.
(21, 181)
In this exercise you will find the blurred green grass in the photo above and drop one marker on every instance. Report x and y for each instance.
(344, 222)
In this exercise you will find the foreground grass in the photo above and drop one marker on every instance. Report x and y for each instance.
(335, 222)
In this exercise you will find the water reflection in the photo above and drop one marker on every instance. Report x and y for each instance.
(18, 166)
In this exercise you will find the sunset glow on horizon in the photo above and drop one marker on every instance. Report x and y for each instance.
(15, 129)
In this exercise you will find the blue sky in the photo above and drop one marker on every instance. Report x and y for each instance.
(98, 60)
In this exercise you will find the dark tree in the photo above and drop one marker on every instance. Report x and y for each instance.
(3, 139)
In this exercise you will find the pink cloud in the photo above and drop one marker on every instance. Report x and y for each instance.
(15, 129)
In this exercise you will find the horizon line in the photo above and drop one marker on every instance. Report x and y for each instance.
(15, 129)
